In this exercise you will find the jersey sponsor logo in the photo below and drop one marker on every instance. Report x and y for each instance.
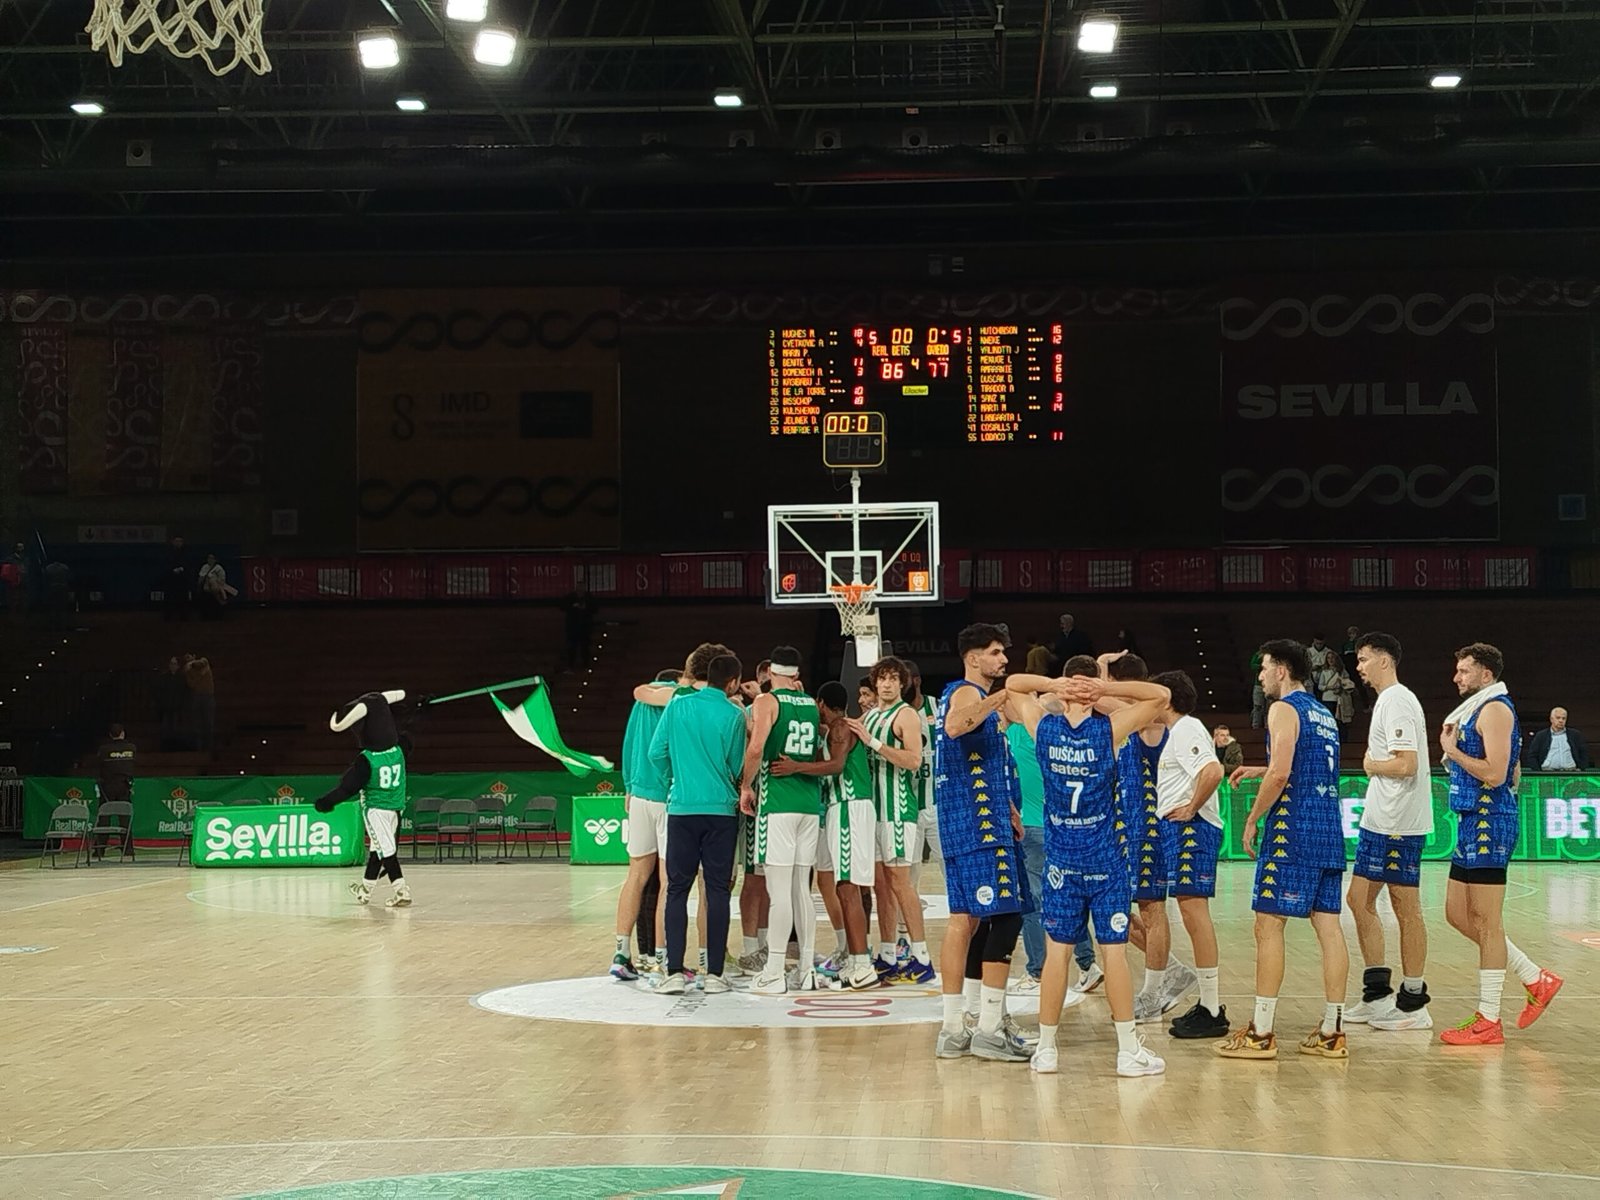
(1119, 922)
(985, 894)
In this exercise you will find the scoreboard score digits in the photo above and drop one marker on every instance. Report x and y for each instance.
(999, 383)
(853, 441)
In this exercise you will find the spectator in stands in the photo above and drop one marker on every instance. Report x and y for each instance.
(1040, 660)
(578, 607)
(214, 589)
(1229, 752)
(203, 696)
(176, 593)
(114, 778)
(1334, 688)
(1071, 641)
(1347, 654)
(1258, 697)
(14, 574)
(1559, 748)
(172, 705)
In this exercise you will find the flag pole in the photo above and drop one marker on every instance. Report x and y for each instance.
(532, 680)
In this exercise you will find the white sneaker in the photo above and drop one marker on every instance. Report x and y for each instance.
(362, 891)
(859, 978)
(1140, 1062)
(1009, 1026)
(804, 981)
(647, 964)
(751, 964)
(1147, 1008)
(671, 985)
(1181, 979)
(1026, 986)
(770, 985)
(401, 897)
(952, 1045)
(1363, 1013)
(716, 985)
(1045, 1060)
(1087, 981)
(1072, 999)
(1403, 1020)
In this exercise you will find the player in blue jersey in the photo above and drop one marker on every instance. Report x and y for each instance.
(1300, 857)
(1481, 741)
(1086, 866)
(980, 831)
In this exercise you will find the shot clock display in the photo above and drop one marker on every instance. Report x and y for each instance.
(1002, 382)
(852, 441)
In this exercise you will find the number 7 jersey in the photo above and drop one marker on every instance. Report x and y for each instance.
(796, 734)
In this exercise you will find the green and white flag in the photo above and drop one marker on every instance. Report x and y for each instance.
(534, 721)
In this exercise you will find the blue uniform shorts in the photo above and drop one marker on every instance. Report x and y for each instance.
(1390, 858)
(1485, 839)
(1292, 891)
(987, 883)
(1191, 849)
(1071, 899)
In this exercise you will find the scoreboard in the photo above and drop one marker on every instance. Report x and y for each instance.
(999, 382)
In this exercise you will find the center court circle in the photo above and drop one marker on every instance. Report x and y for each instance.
(601, 1000)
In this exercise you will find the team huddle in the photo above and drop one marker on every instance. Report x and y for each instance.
(1066, 811)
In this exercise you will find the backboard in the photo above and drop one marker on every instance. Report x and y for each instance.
(813, 550)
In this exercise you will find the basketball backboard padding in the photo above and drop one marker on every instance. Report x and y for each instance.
(893, 548)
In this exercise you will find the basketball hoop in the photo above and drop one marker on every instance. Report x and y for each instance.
(858, 619)
(228, 29)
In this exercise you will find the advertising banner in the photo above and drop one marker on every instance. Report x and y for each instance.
(1355, 409)
(277, 835)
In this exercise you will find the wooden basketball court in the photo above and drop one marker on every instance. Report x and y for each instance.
(211, 1033)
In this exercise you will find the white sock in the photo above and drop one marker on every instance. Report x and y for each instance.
(1332, 1017)
(751, 945)
(624, 943)
(952, 1012)
(887, 951)
(1526, 969)
(1266, 1009)
(705, 959)
(971, 990)
(1153, 980)
(1047, 1037)
(1414, 986)
(1208, 989)
(861, 961)
(1490, 985)
(919, 951)
(1127, 1039)
(841, 943)
(991, 1009)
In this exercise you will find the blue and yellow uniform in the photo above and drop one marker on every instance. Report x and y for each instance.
(975, 789)
(1300, 852)
(1487, 830)
(1086, 869)
(1137, 764)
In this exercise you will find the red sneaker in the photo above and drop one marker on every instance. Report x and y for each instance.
(1540, 992)
(1477, 1032)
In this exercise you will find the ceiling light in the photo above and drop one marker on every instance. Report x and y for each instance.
(88, 108)
(379, 49)
(467, 10)
(1444, 81)
(495, 47)
(728, 98)
(411, 104)
(1098, 35)
(1103, 91)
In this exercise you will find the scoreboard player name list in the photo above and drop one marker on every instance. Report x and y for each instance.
(1007, 381)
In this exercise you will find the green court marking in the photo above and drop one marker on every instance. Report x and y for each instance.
(619, 1183)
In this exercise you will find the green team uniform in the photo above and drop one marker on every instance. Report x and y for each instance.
(796, 734)
(894, 788)
(929, 710)
(386, 784)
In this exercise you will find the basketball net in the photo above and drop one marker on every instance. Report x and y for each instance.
(858, 619)
(220, 33)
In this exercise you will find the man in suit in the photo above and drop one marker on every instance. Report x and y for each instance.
(1559, 748)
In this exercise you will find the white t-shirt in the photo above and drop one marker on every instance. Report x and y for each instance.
(1398, 806)
(1188, 752)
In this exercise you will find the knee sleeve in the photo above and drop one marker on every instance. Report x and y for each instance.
(391, 868)
(374, 866)
(1002, 940)
(975, 948)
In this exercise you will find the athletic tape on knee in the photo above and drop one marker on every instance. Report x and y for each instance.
(1002, 940)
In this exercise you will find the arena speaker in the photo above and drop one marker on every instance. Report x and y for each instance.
(137, 152)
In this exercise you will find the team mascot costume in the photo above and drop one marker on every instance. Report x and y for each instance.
(378, 777)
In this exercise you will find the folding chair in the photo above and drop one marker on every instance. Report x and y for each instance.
(458, 826)
(115, 819)
(424, 820)
(68, 823)
(491, 820)
(540, 817)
